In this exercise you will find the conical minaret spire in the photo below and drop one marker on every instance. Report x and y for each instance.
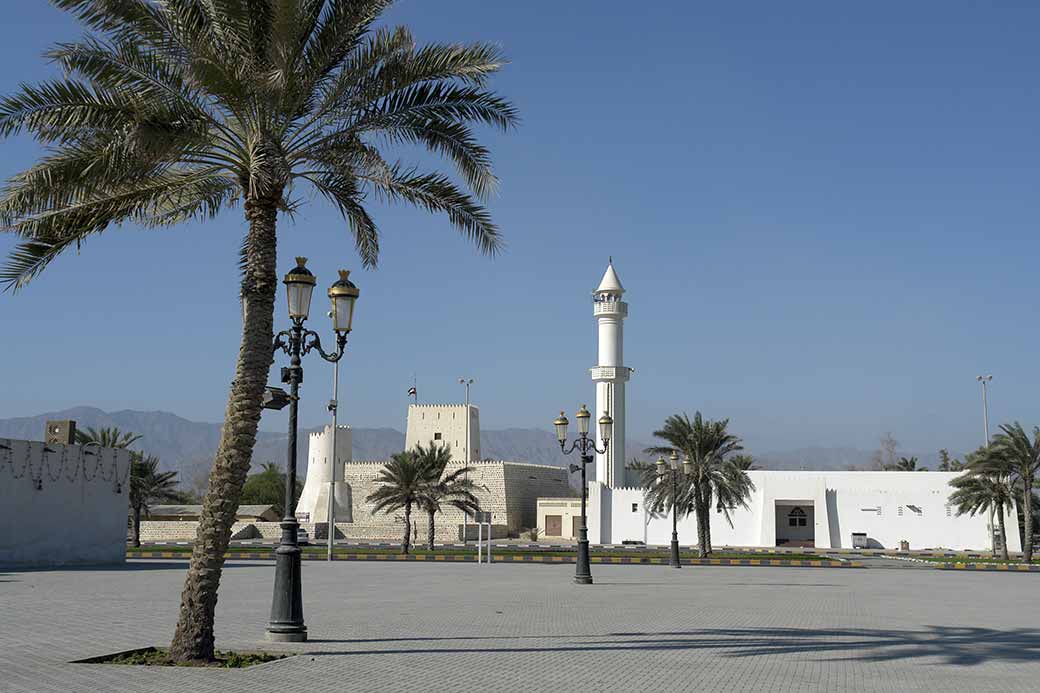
(610, 374)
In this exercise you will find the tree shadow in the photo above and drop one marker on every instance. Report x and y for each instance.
(129, 566)
(953, 645)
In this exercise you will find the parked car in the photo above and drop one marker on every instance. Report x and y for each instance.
(302, 537)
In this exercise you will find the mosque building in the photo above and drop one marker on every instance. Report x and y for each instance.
(820, 509)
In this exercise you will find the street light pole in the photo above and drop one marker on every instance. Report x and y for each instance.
(984, 379)
(587, 450)
(465, 514)
(333, 407)
(286, 624)
(673, 470)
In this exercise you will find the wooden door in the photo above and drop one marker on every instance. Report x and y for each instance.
(553, 525)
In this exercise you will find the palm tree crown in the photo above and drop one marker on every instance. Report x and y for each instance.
(107, 437)
(175, 110)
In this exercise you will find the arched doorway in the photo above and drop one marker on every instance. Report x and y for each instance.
(795, 524)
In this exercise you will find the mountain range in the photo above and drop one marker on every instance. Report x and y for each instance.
(188, 446)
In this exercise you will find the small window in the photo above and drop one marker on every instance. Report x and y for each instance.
(796, 518)
(635, 507)
(436, 436)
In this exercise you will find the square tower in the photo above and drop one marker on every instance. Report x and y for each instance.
(454, 425)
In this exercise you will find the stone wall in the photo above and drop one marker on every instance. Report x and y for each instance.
(508, 490)
(62, 504)
(185, 530)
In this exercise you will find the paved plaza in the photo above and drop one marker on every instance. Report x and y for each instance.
(429, 627)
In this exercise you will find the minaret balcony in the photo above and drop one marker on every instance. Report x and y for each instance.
(610, 373)
(610, 308)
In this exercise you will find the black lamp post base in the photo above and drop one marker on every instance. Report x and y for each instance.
(674, 562)
(286, 623)
(291, 636)
(582, 572)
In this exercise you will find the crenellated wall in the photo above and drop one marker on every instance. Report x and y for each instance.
(62, 504)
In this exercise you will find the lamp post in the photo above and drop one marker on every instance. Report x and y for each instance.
(342, 295)
(286, 624)
(465, 514)
(586, 448)
(984, 379)
(672, 468)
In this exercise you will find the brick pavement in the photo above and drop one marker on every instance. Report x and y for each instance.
(449, 627)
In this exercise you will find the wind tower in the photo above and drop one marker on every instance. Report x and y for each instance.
(610, 374)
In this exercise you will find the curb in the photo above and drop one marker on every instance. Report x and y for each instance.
(470, 558)
(992, 567)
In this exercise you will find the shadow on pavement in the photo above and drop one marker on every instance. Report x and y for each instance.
(128, 567)
(959, 646)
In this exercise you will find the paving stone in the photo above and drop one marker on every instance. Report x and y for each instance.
(451, 627)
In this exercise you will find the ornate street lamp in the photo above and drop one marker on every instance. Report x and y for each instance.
(586, 447)
(286, 623)
(672, 468)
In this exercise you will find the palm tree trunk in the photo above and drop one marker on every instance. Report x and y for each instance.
(702, 535)
(432, 530)
(1003, 536)
(137, 527)
(1027, 528)
(707, 522)
(193, 639)
(406, 544)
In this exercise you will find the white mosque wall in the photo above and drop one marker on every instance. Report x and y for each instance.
(889, 507)
(62, 504)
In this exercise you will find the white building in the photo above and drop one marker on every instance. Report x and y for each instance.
(818, 509)
(815, 509)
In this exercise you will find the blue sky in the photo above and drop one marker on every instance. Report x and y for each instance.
(824, 214)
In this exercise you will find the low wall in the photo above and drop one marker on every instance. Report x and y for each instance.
(185, 530)
(162, 531)
(62, 504)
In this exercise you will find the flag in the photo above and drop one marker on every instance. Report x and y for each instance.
(412, 392)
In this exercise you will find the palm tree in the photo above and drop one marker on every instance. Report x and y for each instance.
(707, 446)
(402, 483)
(148, 485)
(986, 485)
(453, 489)
(172, 111)
(905, 464)
(1022, 454)
(107, 437)
(947, 463)
(745, 462)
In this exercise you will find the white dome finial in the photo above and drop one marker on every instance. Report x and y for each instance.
(610, 284)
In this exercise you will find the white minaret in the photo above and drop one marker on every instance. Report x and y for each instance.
(610, 375)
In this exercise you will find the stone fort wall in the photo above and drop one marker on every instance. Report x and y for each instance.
(510, 491)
